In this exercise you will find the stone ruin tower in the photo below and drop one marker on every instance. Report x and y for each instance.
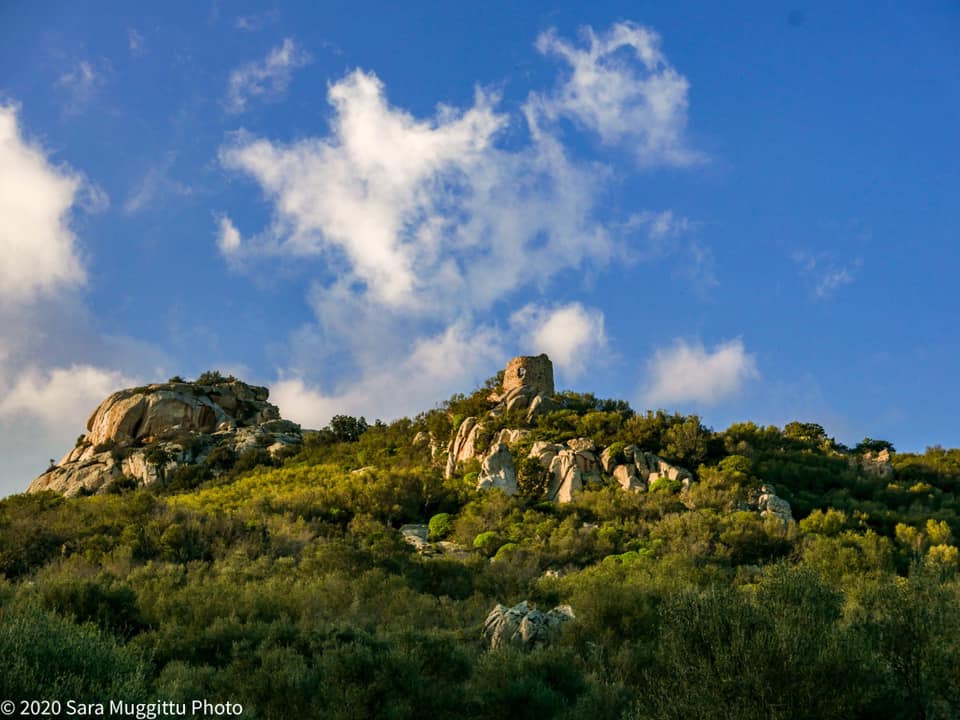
(532, 374)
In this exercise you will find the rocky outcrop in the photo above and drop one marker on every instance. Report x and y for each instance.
(524, 626)
(770, 505)
(636, 470)
(572, 465)
(877, 464)
(569, 466)
(498, 471)
(417, 535)
(144, 434)
(463, 446)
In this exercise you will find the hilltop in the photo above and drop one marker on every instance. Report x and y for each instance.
(517, 551)
(161, 433)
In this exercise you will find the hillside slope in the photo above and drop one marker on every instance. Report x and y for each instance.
(353, 579)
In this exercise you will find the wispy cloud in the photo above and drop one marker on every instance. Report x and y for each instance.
(622, 87)
(79, 84)
(156, 183)
(255, 22)
(823, 275)
(421, 225)
(136, 43)
(687, 372)
(228, 237)
(267, 79)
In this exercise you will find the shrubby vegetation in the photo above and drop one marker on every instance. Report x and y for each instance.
(288, 588)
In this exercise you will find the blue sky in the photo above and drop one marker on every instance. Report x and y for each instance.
(748, 212)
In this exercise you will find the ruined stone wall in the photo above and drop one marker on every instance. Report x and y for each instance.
(532, 373)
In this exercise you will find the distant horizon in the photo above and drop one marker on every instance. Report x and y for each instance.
(745, 212)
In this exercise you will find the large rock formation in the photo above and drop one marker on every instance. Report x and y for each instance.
(524, 626)
(636, 470)
(569, 466)
(463, 446)
(146, 433)
(878, 464)
(497, 470)
(771, 505)
(528, 385)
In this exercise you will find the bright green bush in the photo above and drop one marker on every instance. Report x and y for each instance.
(440, 526)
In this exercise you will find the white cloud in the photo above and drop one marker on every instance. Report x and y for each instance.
(41, 415)
(572, 335)
(622, 87)
(38, 250)
(80, 84)
(688, 373)
(417, 226)
(266, 80)
(425, 215)
(61, 398)
(434, 369)
(228, 237)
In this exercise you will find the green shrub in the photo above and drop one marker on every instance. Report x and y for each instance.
(46, 656)
(487, 543)
(441, 525)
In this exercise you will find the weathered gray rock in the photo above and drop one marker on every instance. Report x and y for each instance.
(463, 446)
(497, 470)
(568, 466)
(416, 535)
(581, 445)
(540, 405)
(608, 461)
(628, 478)
(524, 626)
(651, 467)
(511, 436)
(146, 433)
(566, 478)
(771, 505)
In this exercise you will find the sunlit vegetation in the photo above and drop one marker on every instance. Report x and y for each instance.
(289, 588)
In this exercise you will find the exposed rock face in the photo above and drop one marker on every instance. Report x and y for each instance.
(569, 466)
(877, 464)
(498, 471)
(636, 470)
(141, 413)
(463, 447)
(147, 433)
(416, 535)
(771, 505)
(510, 436)
(524, 626)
